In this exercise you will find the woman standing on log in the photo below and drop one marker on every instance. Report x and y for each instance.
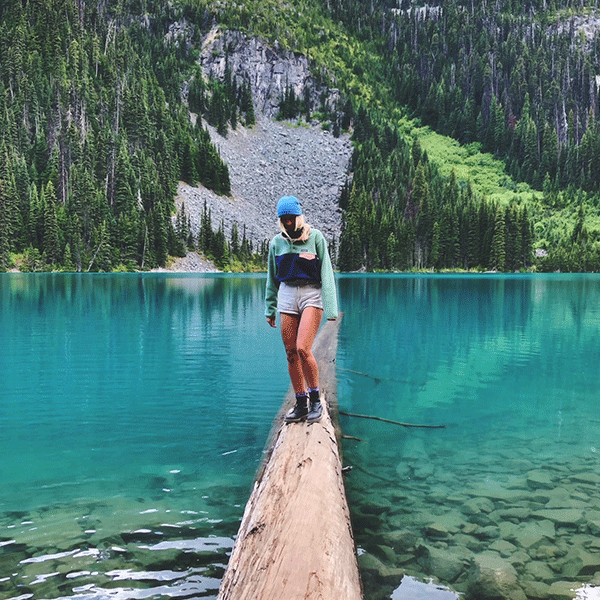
(301, 286)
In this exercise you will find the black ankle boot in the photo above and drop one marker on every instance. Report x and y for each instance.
(316, 408)
(299, 412)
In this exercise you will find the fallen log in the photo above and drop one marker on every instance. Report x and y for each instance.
(295, 540)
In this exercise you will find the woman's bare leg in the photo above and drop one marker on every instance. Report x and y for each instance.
(309, 326)
(298, 334)
(289, 332)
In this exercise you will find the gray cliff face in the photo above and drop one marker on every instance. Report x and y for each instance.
(268, 69)
(272, 159)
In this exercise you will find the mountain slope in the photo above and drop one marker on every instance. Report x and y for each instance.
(104, 109)
(266, 162)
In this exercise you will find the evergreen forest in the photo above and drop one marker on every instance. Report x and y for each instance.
(95, 135)
(100, 107)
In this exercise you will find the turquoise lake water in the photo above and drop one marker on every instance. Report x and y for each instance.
(135, 409)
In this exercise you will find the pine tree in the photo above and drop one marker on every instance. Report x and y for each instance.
(235, 240)
(498, 249)
(247, 105)
(68, 264)
(104, 256)
(224, 185)
(424, 225)
(51, 243)
(219, 249)
(4, 232)
(189, 160)
(127, 237)
(526, 238)
(124, 183)
(13, 216)
(472, 241)
(417, 152)
(333, 251)
(161, 225)
(307, 107)
(434, 257)
(350, 254)
(196, 93)
(513, 240)
(36, 218)
(206, 233)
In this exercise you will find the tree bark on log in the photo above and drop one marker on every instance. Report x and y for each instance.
(295, 540)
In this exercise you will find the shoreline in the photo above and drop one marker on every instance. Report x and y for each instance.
(194, 262)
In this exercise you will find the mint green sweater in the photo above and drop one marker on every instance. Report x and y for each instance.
(316, 245)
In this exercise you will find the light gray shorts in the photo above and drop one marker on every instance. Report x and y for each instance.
(293, 299)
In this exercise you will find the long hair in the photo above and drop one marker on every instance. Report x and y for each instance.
(301, 227)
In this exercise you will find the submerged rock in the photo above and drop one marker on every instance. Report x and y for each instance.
(540, 479)
(493, 578)
(579, 562)
(562, 590)
(539, 571)
(447, 565)
(565, 517)
(503, 547)
(586, 477)
(414, 451)
(536, 590)
(475, 506)
(402, 539)
(436, 530)
(594, 526)
(369, 562)
(533, 534)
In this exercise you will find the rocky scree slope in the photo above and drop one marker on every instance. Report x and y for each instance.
(273, 158)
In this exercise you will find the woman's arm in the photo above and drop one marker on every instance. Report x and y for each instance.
(272, 287)
(328, 288)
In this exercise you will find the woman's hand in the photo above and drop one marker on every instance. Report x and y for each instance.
(271, 321)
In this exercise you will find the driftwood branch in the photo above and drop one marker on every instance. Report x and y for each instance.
(374, 475)
(374, 418)
(376, 379)
(352, 437)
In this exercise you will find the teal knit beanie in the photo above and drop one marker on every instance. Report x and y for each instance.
(288, 205)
